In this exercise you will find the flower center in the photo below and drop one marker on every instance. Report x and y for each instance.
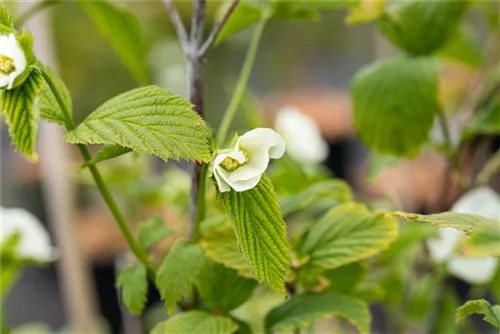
(231, 164)
(6, 65)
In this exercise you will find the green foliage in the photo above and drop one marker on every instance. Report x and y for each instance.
(244, 16)
(346, 278)
(5, 18)
(463, 47)
(422, 296)
(421, 27)
(147, 120)
(300, 311)
(122, 30)
(366, 11)
(292, 10)
(134, 285)
(379, 162)
(21, 116)
(178, 271)
(485, 241)
(260, 231)
(152, 231)
(396, 98)
(481, 306)
(347, 233)
(196, 322)
(107, 153)
(48, 105)
(485, 122)
(221, 288)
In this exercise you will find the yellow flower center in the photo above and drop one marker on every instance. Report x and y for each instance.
(231, 164)
(6, 65)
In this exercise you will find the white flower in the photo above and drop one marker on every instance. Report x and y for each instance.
(12, 60)
(241, 168)
(481, 201)
(302, 135)
(34, 242)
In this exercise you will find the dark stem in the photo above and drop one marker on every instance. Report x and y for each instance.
(178, 25)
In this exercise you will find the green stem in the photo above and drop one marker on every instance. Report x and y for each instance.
(242, 81)
(33, 10)
(101, 185)
(201, 202)
(491, 167)
(450, 148)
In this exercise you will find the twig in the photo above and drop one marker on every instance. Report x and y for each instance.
(217, 29)
(197, 25)
(178, 25)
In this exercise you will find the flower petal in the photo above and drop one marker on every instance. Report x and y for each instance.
(481, 201)
(473, 270)
(443, 247)
(10, 47)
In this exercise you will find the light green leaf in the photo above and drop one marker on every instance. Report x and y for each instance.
(485, 241)
(481, 306)
(329, 192)
(485, 122)
(366, 11)
(147, 120)
(5, 18)
(107, 153)
(122, 30)
(292, 10)
(260, 231)
(221, 245)
(21, 115)
(421, 27)
(178, 272)
(347, 233)
(196, 322)
(48, 105)
(243, 17)
(221, 288)
(300, 311)
(463, 47)
(396, 98)
(410, 235)
(134, 285)
(152, 231)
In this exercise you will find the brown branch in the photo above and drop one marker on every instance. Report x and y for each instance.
(178, 25)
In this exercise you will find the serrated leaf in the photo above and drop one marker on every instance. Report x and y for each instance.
(134, 287)
(300, 311)
(221, 245)
(485, 122)
(463, 47)
(48, 105)
(481, 306)
(152, 231)
(221, 288)
(196, 322)
(147, 120)
(260, 231)
(107, 153)
(421, 27)
(21, 115)
(178, 272)
(121, 28)
(347, 233)
(485, 241)
(243, 17)
(331, 192)
(396, 98)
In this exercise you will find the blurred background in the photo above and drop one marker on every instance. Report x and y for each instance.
(306, 64)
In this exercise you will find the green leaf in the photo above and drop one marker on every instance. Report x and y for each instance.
(421, 27)
(366, 11)
(5, 18)
(152, 231)
(48, 105)
(485, 241)
(422, 296)
(300, 311)
(446, 317)
(378, 162)
(243, 17)
(481, 306)
(196, 322)
(485, 122)
(347, 233)
(331, 192)
(292, 10)
(107, 153)
(221, 245)
(463, 47)
(147, 120)
(260, 231)
(134, 285)
(178, 272)
(122, 30)
(221, 288)
(396, 98)
(410, 235)
(21, 115)
(346, 278)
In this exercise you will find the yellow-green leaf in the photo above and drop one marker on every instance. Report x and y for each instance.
(481, 306)
(193, 322)
(134, 285)
(152, 231)
(485, 241)
(48, 105)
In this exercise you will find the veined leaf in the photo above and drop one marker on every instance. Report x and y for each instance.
(48, 105)
(481, 306)
(221, 288)
(196, 322)
(243, 17)
(152, 231)
(134, 285)
(396, 98)
(21, 115)
(122, 30)
(485, 241)
(107, 153)
(147, 120)
(260, 231)
(347, 233)
(300, 311)
(178, 271)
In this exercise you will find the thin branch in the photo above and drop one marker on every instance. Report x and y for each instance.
(217, 29)
(197, 25)
(178, 25)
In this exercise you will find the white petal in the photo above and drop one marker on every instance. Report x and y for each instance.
(10, 48)
(34, 240)
(481, 201)
(302, 135)
(443, 247)
(473, 270)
